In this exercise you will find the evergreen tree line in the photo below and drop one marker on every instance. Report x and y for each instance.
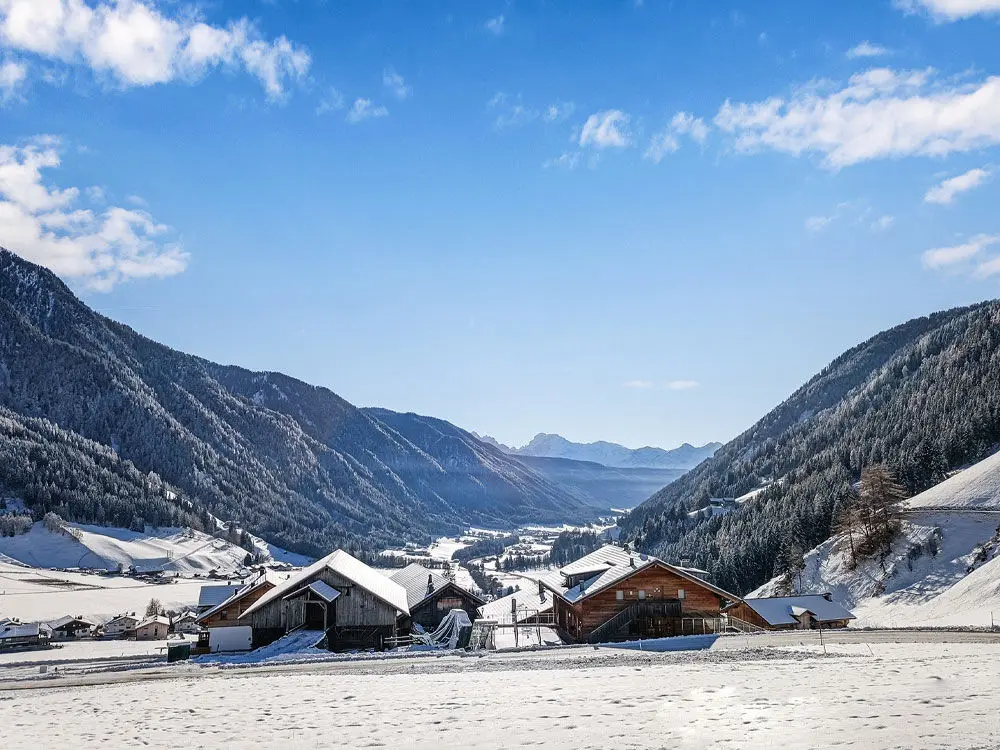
(918, 400)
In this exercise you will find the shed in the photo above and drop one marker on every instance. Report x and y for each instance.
(362, 614)
(800, 612)
(430, 596)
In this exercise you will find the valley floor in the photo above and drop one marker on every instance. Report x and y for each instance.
(872, 690)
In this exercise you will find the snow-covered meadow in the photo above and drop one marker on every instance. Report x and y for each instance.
(877, 695)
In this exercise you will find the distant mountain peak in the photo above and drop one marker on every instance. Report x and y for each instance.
(551, 445)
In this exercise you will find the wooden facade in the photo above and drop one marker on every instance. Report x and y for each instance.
(355, 619)
(658, 601)
(429, 612)
(226, 616)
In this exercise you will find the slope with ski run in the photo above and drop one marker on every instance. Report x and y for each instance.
(961, 518)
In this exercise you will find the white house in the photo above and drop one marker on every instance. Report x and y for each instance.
(187, 622)
(153, 629)
(120, 626)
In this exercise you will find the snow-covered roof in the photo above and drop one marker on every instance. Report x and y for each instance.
(68, 619)
(782, 610)
(611, 564)
(270, 578)
(159, 619)
(322, 589)
(414, 578)
(13, 629)
(211, 596)
(124, 617)
(380, 586)
(530, 599)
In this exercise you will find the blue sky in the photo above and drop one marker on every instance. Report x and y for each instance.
(641, 222)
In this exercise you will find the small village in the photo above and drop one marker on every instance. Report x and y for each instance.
(341, 605)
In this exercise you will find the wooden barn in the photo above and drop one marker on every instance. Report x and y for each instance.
(802, 612)
(614, 595)
(430, 596)
(355, 605)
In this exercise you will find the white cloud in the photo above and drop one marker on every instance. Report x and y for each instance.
(950, 10)
(880, 114)
(944, 257)
(43, 224)
(134, 43)
(394, 82)
(332, 100)
(667, 141)
(883, 223)
(558, 111)
(818, 223)
(867, 49)
(681, 385)
(12, 77)
(607, 129)
(365, 109)
(496, 25)
(638, 384)
(945, 192)
(568, 160)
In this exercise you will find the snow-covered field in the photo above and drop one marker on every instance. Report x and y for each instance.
(31, 594)
(935, 695)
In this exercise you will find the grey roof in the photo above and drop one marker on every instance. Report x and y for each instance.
(611, 564)
(499, 609)
(13, 629)
(322, 589)
(414, 577)
(210, 596)
(782, 610)
(380, 586)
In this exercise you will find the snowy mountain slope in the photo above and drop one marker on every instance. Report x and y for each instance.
(179, 550)
(102, 425)
(975, 487)
(944, 569)
(614, 455)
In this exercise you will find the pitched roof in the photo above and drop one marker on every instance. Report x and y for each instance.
(269, 577)
(210, 596)
(322, 589)
(608, 565)
(159, 619)
(782, 610)
(499, 609)
(13, 629)
(70, 618)
(414, 578)
(380, 586)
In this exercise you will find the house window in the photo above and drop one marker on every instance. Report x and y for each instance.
(681, 594)
(619, 595)
(224, 614)
(642, 594)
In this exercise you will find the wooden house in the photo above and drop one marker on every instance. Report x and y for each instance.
(71, 628)
(355, 605)
(801, 612)
(153, 629)
(430, 596)
(613, 594)
(15, 634)
(226, 632)
(121, 626)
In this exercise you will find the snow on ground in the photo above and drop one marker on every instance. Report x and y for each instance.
(445, 547)
(975, 487)
(175, 549)
(893, 696)
(30, 594)
(87, 650)
(944, 569)
(526, 636)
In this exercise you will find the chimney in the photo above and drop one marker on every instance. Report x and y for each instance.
(828, 596)
(631, 561)
(430, 584)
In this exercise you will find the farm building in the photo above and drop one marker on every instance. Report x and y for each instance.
(14, 634)
(121, 625)
(211, 596)
(71, 628)
(533, 606)
(430, 596)
(226, 633)
(356, 606)
(803, 612)
(153, 629)
(613, 594)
